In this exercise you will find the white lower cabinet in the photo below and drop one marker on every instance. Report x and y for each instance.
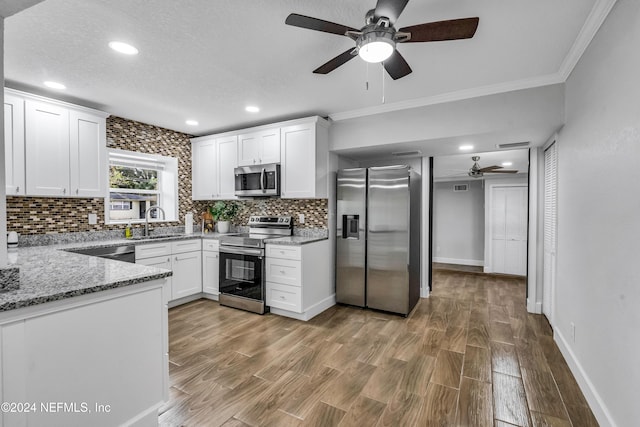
(298, 279)
(183, 257)
(211, 268)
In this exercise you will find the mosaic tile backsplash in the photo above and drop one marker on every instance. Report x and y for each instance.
(46, 215)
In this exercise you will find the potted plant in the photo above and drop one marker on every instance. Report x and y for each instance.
(223, 212)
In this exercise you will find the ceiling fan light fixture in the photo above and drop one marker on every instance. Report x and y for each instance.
(375, 46)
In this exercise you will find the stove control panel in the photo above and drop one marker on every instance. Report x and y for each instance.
(280, 220)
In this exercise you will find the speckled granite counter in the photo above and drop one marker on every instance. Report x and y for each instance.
(49, 274)
(295, 240)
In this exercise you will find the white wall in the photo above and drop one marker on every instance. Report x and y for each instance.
(598, 279)
(3, 189)
(458, 223)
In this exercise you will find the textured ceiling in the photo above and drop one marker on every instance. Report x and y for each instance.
(206, 60)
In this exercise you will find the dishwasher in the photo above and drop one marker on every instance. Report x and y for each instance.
(126, 253)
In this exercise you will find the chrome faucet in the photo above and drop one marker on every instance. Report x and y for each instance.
(146, 218)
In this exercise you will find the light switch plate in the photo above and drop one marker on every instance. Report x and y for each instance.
(93, 219)
(300, 218)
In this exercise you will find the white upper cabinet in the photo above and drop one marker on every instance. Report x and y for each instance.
(305, 161)
(227, 162)
(259, 148)
(213, 162)
(14, 145)
(87, 150)
(56, 149)
(47, 149)
(204, 160)
(300, 146)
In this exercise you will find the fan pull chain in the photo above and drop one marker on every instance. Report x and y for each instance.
(382, 82)
(366, 83)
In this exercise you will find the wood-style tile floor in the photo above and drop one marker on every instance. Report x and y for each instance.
(468, 356)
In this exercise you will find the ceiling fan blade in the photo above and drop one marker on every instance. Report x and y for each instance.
(317, 24)
(335, 62)
(454, 29)
(396, 66)
(501, 171)
(489, 168)
(390, 9)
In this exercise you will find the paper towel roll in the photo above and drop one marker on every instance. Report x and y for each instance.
(188, 223)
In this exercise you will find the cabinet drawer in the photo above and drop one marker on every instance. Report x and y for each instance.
(149, 250)
(285, 252)
(283, 271)
(284, 297)
(210, 245)
(182, 246)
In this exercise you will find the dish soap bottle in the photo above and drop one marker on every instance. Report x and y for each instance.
(128, 233)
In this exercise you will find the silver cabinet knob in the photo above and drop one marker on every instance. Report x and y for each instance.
(64, 191)
(18, 189)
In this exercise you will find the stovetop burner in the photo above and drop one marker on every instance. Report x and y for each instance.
(260, 228)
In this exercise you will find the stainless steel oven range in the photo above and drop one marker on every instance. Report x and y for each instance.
(242, 283)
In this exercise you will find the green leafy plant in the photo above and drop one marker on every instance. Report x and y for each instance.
(223, 211)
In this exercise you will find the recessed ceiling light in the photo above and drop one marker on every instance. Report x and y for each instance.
(465, 147)
(507, 163)
(125, 48)
(252, 109)
(192, 122)
(55, 85)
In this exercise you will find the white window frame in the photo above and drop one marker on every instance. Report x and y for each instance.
(167, 168)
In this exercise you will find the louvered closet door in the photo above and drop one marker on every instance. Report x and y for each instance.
(550, 229)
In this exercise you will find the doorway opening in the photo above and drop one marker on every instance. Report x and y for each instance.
(480, 213)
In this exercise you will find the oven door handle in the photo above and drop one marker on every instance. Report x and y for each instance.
(241, 251)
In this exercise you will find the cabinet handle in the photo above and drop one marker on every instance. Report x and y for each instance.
(254, 161)
(282, 297)
(176, 259)
(18, 189)
(64, 191)
(282, 252)
(77, 190)
(282, 271)
(168, 259)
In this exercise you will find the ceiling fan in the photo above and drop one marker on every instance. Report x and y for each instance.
(376, 41)
(477, 172)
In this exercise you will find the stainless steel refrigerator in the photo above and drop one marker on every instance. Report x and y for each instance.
(378, 238)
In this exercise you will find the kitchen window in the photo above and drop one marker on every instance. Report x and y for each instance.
(138, 181)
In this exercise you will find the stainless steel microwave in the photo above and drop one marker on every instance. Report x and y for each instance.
(258, 180)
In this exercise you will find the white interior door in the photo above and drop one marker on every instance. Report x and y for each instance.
(509, 230)
(550, 223)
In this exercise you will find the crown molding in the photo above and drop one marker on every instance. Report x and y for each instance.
(594, 21)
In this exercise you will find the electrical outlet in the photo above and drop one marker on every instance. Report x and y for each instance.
(573, 332)
(300, 218)
(93, 219)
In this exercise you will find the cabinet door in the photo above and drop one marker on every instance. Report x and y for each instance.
(159, 262)
(204, 157)
(227, 162)
(210, 272)
(270, 146)
(187, 274)
(47, 149)
(87, 144)
(248, 149)
(14, 144)
(298, 153)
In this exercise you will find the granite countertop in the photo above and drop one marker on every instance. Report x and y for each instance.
(50, 274)
(295, 240)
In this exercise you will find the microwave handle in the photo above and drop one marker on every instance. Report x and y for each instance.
(262, 176)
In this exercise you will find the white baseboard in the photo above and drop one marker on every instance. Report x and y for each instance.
(475, 262)
(310, 312)
(534, 307)
(598, 407)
